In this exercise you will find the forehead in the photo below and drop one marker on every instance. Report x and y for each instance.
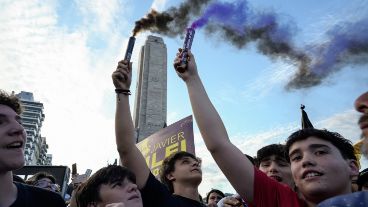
(273, 158)
(6, 110)
(215, 194)
(45, 179)
(305, 144)
(187, 158)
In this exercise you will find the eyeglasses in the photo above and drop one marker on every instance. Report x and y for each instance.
(46, 184)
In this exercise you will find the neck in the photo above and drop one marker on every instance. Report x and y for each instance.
(187, 191)
(8, 191)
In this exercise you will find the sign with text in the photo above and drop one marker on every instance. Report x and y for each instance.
(174, 138)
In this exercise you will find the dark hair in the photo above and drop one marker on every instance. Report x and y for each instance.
(10, 100)
(40, 175)
(89, 192)
(168, 166)
(214, 191)
(343, 145)
(251, 159)
(362, 178)
(18, 179)
(278, 150)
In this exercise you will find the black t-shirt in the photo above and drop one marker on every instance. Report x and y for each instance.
(156, 194)
(29, 196)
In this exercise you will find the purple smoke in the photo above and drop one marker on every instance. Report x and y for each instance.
(238, 24)
(346, 44)
(233, 15)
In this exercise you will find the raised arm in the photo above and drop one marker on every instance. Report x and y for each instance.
(130, 155)
(232, 162)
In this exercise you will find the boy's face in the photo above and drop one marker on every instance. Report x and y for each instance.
(277, 168)
(214, 198)
(319, 170)
(186, 169)
(361, 105)
(12, 140)
(120, 192)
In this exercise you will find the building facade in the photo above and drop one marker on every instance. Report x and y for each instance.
(32, 118)
(150, 106)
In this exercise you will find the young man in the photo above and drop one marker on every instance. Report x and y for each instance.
(12, 142)
(184, 170)
(109, 185)
(361, 105)
(213, 197)
(44, 180)
(357, 198)
(252, 185)
(273, 161)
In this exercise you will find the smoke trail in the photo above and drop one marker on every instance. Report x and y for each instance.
(347, 44)
(172, 22)
(239, 25)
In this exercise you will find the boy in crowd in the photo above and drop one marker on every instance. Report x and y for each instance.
(181, 171)
(322, 163)
(213, 197)
(109, 185)
(272, 161)
(12, 142)
(44, 180)
(361, 105)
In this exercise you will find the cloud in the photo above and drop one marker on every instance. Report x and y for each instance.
(71, 80)
(158, 5)
(269, 80)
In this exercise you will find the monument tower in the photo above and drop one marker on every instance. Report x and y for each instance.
(150, 106)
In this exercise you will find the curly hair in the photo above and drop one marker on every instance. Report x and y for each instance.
(10, 100)
(168, 166)
(343, 145)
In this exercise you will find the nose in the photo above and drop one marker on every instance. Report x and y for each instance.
(308, 160)
(132, 187)
(16, 129)
(361, 103)
(273, 167)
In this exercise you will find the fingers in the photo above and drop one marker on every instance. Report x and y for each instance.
(230, 201)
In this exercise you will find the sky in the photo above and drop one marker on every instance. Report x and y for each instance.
(64, 51)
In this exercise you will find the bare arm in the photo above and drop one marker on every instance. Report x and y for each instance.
(232, 162)
(130, 155)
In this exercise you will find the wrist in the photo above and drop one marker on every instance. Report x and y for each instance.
(122, 91)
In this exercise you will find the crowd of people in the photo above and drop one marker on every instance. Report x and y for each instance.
(315, 167)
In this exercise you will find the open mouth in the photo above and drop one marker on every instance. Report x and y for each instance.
(363, 122)
(277, 178)
(15, 145)
(311, 174)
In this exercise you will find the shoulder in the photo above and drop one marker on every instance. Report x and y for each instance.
(356, 199)
(38, 196)
(276, 194)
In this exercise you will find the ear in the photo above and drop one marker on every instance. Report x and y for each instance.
(170, 177)
(354, 167)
